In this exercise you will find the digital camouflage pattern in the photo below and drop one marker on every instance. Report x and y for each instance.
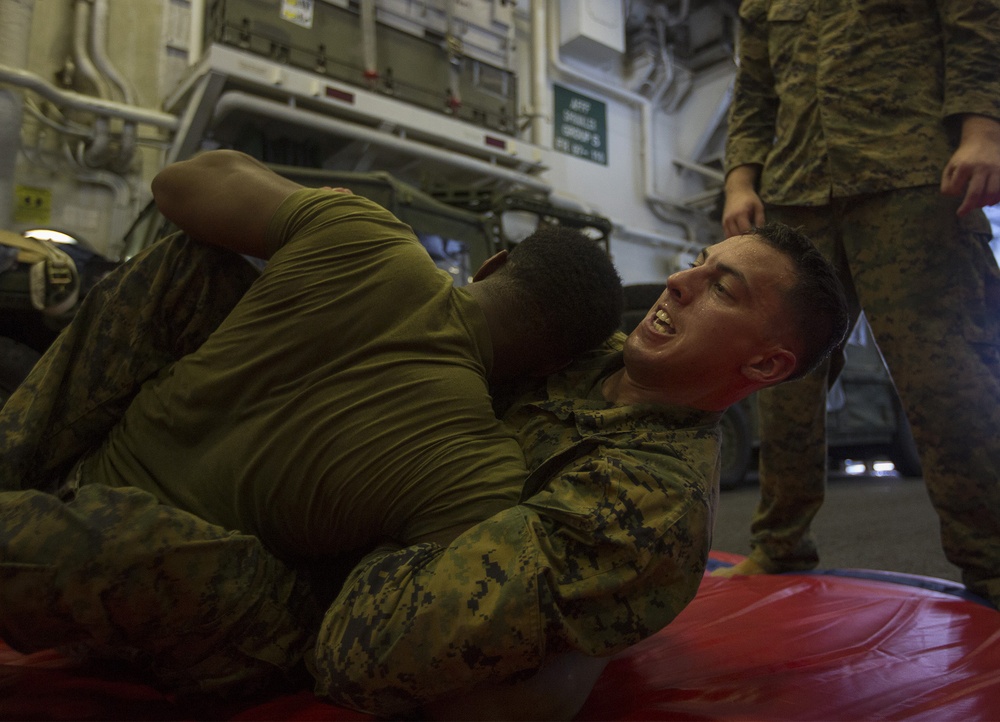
(931, 294)
(607, 546)
(113, 574)
(843, 97)
(148, 313)
(844, 105)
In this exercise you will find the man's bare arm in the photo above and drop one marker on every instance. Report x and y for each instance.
(223, 198)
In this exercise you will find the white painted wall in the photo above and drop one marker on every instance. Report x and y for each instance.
(149, 48)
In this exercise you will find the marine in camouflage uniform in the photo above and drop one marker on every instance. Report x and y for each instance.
(113, 573)
(851, 111)
(608, 545)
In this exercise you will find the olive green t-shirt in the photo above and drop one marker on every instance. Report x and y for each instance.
(342, 401)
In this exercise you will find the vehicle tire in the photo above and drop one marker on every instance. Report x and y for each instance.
(16, 360)
(903, 453)
(737, 447)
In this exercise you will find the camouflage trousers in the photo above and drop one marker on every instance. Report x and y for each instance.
(930, 289)
(111, 572)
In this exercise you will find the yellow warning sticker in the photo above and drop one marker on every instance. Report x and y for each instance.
(32, 205)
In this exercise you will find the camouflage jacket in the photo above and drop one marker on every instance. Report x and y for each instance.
(607, 546)
(842, 97)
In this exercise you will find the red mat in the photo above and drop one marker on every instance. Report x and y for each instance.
(789, 647)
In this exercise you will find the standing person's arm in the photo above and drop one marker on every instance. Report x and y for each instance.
(971, 35)
(744, 208)
(223, 198)
(973, 172)
(751, 122)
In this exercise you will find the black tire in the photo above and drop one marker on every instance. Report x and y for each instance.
(16, 360)
(639, 298)
(904, 454)
(737, 447)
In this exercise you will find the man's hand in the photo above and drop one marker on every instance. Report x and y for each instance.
(744, 208)
(974, 169)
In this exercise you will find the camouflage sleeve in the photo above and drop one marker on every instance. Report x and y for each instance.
(971, 31)
(601, 559)
(755, 104)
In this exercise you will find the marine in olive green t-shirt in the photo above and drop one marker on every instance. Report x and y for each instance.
(344, 399)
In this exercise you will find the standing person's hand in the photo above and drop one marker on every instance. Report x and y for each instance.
(974, 169)
(743, 208)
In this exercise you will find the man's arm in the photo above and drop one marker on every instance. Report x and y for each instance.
(601, 559)
(973, 171)
(971, 36)
(744, 208)
(223, 198)
(752, 118)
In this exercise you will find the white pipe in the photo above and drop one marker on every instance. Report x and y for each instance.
(97, 150)
(453, 46)
(196, 36)
(630, 234)
(539, 78)
(701, 169)
(369, 48)
(81, 53)
(637, 101)
(236, 100)
(15, 30)
(78, 101)
(98, 48)
(98, 51)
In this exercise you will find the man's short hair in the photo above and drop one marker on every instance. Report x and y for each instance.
(816, 303)
(569, 286)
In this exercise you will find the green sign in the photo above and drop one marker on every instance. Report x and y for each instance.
(581, 126)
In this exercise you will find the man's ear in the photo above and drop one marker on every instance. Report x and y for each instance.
(491, 265)
(771, 368)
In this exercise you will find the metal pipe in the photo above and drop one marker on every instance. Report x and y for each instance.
(98, 47)
(78, 101)
(236, 100)
(369, 48)
(453, 50)
(704, 170)
(631, 234)
(539, 78)
(14, 48)
(81, 52)
(99, 52)
(637, 101)
(196, 36)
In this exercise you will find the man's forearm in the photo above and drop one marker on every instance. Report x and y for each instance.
(419, 624)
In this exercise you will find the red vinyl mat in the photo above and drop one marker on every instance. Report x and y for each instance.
(846, 645)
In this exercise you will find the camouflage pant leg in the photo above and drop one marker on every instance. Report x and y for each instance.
(149, 312)
(113, 574)
(931, 291)
(793, 450)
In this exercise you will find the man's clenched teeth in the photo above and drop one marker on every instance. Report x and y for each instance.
(662, 322)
